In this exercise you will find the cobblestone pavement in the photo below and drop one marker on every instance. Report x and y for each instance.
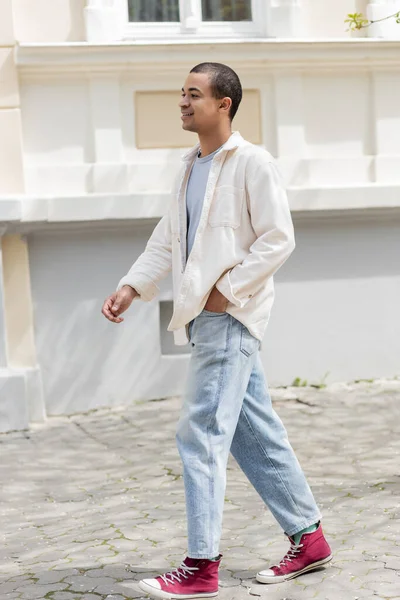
(91, 503)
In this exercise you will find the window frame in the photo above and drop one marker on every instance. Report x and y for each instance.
(195, 28)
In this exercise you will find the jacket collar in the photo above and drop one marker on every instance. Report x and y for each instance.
(234, 141)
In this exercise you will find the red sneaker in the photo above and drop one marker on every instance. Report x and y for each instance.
(195, 578)
(312, 552)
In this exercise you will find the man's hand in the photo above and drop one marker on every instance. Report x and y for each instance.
(118, 303)
(216, 302)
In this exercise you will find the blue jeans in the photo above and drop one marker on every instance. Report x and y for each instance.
(227, 408)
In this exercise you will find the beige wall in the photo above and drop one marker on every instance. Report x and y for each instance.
(9, 94)
(6, 23)
(11, 168)
(49, 20)
(17, 303)
(16, 280)
(157, 128)
(11, 172)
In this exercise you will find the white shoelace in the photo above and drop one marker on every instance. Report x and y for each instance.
(182, 571)
(292, 553)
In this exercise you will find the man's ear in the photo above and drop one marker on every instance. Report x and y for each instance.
(225, 104)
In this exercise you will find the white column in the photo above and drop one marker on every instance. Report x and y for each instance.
(14, 412)
(11, 160)
(105, 20)
(379, 9)
(289, 115)
(106, 118)
(387, 125)
(109, 169)
(3, 355)
(285, 19)
(290, 131)
(22, 398)
(190, 11)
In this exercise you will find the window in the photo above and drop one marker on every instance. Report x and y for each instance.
(147, 11)
(153, 11)
(226, 10)
(201, 18)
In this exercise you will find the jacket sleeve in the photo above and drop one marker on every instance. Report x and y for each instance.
(153, 264)
(272, 224)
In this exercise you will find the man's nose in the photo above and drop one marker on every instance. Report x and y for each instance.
(183, 101)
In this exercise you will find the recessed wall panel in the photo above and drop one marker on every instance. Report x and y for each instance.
(387, 107)
(337, 117)
(158, 123)
(56, 122)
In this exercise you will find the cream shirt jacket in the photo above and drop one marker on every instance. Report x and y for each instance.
(244, 235)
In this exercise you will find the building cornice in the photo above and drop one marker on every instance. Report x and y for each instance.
(108, 208)
(162, 57)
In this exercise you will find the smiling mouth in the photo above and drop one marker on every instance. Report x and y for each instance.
(187, 114)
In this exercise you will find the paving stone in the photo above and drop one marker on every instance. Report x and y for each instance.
(39, 591)
(393, 563)
(121, 545)
(50, 577)
(116, 572)
(114, 588)
(385, 589)
(130, 589)
(63, 596)
(377, 576)
(8, 587)
(226, 579)
(358, 569)
(81, 583)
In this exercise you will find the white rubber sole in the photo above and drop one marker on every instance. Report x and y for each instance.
(155, 593)
(279, 578)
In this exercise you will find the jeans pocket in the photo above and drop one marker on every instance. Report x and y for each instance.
(190, 330)
(248, 343)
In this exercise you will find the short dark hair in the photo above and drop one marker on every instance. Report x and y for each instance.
(224, 83)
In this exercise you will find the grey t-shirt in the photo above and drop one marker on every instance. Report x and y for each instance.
(196, 190)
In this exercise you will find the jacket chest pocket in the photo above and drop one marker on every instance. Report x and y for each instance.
(226, 208)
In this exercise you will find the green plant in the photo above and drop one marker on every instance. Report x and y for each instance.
(321, 385)
(357, 21)
(298, 382)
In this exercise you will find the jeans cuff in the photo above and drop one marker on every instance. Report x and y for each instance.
(303, 525)
(199, 555)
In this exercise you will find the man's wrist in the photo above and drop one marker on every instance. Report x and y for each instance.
(132, 289)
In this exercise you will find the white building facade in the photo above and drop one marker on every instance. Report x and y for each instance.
(90, 140)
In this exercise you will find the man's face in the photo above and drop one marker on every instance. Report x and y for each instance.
(200, 112)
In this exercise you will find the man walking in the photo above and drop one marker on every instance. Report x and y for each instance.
(228, 230)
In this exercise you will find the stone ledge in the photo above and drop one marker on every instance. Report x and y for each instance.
(270, 54)
(121, 207)
(342, 198)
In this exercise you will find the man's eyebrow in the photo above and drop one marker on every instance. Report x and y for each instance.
(193, 89)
